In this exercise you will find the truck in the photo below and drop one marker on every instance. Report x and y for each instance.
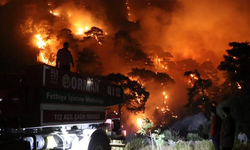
(51, 108)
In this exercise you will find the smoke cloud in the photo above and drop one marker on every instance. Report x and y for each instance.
(195, 29)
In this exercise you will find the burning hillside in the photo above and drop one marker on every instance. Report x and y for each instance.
(165, 38)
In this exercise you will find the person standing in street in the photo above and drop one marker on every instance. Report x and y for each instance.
(64, 58)
(215, 129)
(227, 130)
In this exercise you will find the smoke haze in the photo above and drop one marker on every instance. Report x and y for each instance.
(192, 31)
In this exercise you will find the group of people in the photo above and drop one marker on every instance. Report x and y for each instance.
(222, 131)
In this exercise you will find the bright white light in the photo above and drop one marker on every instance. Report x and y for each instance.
(124, 132)
(82, 144)
(89, 81)
(1, 99)
(80, 31)
(86, 28)
(139, 122)
(109, 121)
(39, 140)
(51, 143)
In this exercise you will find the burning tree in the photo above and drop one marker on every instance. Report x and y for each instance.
(162, 116)
(161, 58)
(142, 75)
(197, 94)
(236, 63)
(135, 95)
(95, 33)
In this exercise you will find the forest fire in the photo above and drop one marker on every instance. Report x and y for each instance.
(171, 39)
(48, 44)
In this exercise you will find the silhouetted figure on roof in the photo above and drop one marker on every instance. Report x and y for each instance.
(64, 57)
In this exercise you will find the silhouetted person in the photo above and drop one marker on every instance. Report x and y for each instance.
(64, 57)
(215, 129)
(227, 130)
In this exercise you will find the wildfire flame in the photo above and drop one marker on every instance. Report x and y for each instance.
(54, 13)
(81, 30)
(46, 61)
(40, 43)
(43, 54)
(139, 122)
(239, 86)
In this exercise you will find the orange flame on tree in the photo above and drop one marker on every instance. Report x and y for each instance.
(139, 122)
(40, 43)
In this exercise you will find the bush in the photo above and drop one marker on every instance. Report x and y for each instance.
(193, 137)
(181, 145)
(241, 146)
(131, 137)
(204, 130)
(204, 144)
(185, 145)
(136, 144)
(172, 135)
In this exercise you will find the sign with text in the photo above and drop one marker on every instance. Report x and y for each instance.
(58, 116)
(51, 77)
(64, 97)
(62, 79)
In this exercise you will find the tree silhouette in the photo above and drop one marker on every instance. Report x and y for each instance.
(197, 93)
(66, 35)
(88, 63)
(130, 50)
(144, 75)
(135, 95)
(96, 33)
(162, 77)
(236, 63)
